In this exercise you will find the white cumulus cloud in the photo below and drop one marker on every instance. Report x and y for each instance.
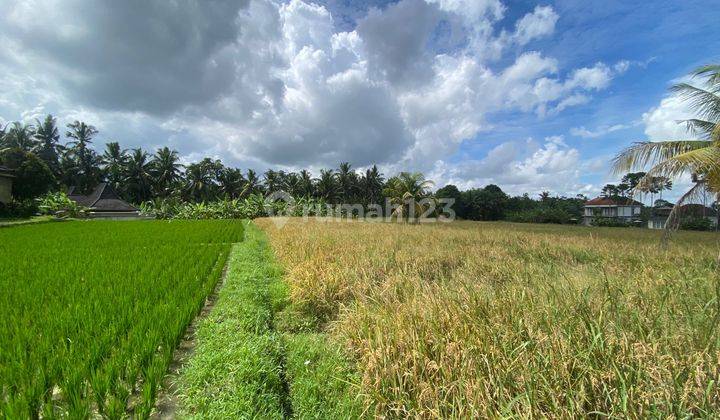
(663, 121)
(262, 83)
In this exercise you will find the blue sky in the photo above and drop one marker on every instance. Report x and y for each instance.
(530, 96)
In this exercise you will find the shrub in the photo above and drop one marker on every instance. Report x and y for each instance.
(696, 223)
(159, 208)
(609, 222)
(18, 209)
(542, 215)
(251, 207)
(59, 204)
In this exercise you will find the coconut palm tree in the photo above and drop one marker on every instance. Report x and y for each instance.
(326, 186)
(672, 158)
(291, 184)
(81, 135)
(306, 184)
(405, 191)
(114, 161)
(347, 182)
(19, 136)
(372, 184)
(273, 180)
(81, 165)
(231, 182)
(47, 145)
(138, 179)
(165, 171)
(200, 180)
(252, 184)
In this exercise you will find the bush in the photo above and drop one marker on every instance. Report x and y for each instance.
(58, 204)
(251, 207)
(542, 215)
(18, 209)
(696, 223)
(609, 222)
(159, 208)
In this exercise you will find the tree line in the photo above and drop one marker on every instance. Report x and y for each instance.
(637, 182)
(43, 162)
(492, 203)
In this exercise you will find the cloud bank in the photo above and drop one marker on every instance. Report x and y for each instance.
(265, 83)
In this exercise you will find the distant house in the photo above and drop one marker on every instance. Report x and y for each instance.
(620, 208)
(6, 181)
(660, 214)
(104, 202)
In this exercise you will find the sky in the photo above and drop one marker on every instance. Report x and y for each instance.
(529, 96)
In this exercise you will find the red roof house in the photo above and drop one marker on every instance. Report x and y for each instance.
(622, 208)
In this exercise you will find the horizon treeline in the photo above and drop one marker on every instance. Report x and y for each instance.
(44, 163)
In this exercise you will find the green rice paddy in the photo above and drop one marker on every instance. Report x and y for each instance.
(91, 312)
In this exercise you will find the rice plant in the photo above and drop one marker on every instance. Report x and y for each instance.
(91, 312)
(473, 320)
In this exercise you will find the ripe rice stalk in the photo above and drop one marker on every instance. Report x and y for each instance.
(497, 319)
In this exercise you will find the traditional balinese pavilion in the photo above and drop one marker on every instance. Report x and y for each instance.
(6, 182)
(104, 202)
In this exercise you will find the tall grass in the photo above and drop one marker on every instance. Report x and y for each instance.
(90, 312)
(499, 319)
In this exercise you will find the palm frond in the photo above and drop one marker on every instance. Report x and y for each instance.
(715, 135)
(641, 154)
(673, 221)
(705, 103)
(699, 128)
(702, 161)
(711, 71)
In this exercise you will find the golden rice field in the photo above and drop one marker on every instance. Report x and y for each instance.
(496, 319)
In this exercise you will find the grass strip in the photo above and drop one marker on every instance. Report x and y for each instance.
(245, 367)
(321, 378)
(237, 370)
(28, 221)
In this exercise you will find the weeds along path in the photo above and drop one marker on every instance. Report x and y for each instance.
(237, 367)
(246, 365)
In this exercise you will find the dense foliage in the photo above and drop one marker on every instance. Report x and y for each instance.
(90, 319)
(256, 205)
(32, 177)
(609, 222)
(491, 203)
(696, 223)
(58, 204)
